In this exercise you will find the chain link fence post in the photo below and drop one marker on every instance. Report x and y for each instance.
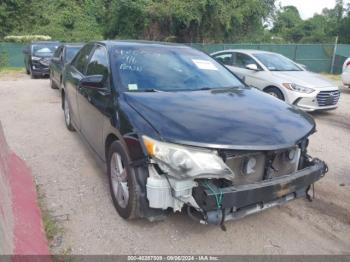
(334, 54)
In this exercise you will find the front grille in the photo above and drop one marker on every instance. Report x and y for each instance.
(39, 65)
(236, 164)
(328, 98)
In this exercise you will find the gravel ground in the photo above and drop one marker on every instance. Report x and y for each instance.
(76, 190)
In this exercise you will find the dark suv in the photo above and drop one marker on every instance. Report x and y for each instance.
(175, 129)
(37, 56)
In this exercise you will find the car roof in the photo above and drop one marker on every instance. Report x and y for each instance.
(115, 43)
(45, 42)
(72, 44)
(246, 51)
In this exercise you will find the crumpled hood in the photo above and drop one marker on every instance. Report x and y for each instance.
(237, 119)
(304, 78)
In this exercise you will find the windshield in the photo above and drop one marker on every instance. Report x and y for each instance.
(147, 68)
(276, 62)
(71, 52)
(44, 49)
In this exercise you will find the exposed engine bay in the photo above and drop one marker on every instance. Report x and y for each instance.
(248, 182)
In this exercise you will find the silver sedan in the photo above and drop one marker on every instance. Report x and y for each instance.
(281, 77)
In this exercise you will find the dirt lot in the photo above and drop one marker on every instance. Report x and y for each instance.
(76, 190)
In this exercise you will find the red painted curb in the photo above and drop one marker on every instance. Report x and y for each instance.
(28, 233)
(24, 216)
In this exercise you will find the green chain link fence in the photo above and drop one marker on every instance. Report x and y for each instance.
(317, 57)
(13, 53)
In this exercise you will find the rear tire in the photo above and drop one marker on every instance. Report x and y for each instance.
(67, 115)
(275, 92)
(122, 182)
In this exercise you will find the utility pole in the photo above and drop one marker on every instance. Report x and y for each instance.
(334, 54)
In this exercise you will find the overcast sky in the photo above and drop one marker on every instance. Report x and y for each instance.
(307, 8)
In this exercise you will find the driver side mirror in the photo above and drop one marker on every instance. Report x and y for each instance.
(94, 82)
(253, 67)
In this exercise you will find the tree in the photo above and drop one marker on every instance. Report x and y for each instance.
(286, 23)
(12, 14)
(344, 27)
(187, 21)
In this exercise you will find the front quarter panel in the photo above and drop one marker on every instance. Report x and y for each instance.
(128, 126)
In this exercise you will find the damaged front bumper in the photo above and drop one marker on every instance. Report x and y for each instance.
(239, 201)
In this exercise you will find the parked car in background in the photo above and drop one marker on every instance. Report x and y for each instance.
(176, 129)
(62, 55)
(37, 56)
(281, 77)
(346, 73)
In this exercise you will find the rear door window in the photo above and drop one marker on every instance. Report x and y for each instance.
(82, 57)
(58, 52)
(98, 64)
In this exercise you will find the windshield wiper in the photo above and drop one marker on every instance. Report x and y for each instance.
(150, 90)
(216, 88)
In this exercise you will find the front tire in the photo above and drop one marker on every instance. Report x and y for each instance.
(275, 92)
(67, 115)
(52, 83)
(32, 75)
(122, 182)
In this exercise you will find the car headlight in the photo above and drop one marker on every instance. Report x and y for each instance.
(298, 88)
(35, 58)
(183, 161)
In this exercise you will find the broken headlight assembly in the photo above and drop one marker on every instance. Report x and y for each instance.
(185, 161)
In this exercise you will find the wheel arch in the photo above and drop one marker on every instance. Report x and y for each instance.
(278, 88)
(62, 98)
(108, 142)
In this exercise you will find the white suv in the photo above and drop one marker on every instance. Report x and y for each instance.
(281, 77)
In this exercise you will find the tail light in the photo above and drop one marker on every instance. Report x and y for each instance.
(347, 63)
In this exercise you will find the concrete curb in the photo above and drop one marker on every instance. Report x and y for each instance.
(21, 227)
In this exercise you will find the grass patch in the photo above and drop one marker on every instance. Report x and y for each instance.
(11, 70)
(332, 77)
(52, 229)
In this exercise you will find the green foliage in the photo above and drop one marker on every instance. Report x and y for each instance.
(171, 20)
(62, 20)
(318, 29)
(187, 21)
(13, 15)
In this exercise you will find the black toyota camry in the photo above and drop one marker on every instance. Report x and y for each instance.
(176, 130)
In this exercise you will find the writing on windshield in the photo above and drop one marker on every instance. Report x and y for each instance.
(170, 69)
